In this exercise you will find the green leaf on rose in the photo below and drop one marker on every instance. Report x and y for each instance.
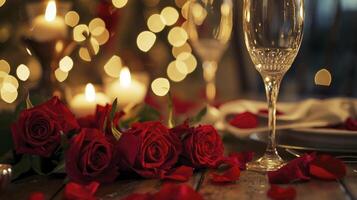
(114, 109)
(196, 119)
(116, 133)
(23, 166)
(28, 102)
(148, 113)
(36, 164)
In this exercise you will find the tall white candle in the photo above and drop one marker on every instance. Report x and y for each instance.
(128, 91)
(85, 103)
(49, 26)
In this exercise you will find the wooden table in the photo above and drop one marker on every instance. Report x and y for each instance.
(250, 186)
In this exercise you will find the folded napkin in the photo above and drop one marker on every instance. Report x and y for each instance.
(294, 115)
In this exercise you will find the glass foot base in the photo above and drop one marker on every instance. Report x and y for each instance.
(266, 163)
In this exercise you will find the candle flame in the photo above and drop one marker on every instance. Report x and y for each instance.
(51, 11)
(125, 77)
(90, 92)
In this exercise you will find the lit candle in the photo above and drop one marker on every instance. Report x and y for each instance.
(128, 91)
(85, 104)
(49, 26)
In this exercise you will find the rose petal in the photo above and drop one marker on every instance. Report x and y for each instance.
(241, 158)
(36, 196)
(351, 124)
(145, 196)
(244, 120)
(230, 175)
(279, 193)
(295, 170)
(327, 168)
(182, 173)
(177, 192)
(74, 191)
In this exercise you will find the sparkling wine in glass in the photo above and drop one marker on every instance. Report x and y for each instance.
(273, 31)
(209, 27)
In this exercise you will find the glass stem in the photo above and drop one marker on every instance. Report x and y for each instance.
(272, 85)
(209, 75)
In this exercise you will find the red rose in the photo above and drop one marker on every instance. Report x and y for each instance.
(38, 129)
(202, 147)
(149, 149)
(101, 116)
(90, 157)
(351, 124)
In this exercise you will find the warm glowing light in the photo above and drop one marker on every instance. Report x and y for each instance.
(71, 18)
(102, 38)
(90, 92)
(160, 86)
(145, 40)
(176, 71)
(66, 64)
(323, 77)
(113, 66)
(226, 9)
(80, 32)
(84, 54)
(61, 75)
(184, 48)
(180, 3)
(155, 23)
(2, 2)
(23, 72)
(177, 36)
(199, 13)
(4, 33)
(10, 83)
(59, 46)
(35, 69)
(169, 16)
(4, 66)
(28, 51)
(51, 11)
(95, 45)
(119, 3)
(189, 60)
(125, 77)
(8, 96)
(151, 3)
(184, 10)
(96, 26)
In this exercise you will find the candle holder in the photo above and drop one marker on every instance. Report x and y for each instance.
(49, 54)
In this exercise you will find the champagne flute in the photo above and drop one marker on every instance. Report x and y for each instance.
(209, 27)
(273, 31)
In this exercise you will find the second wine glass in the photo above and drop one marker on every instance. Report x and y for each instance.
(209, 28)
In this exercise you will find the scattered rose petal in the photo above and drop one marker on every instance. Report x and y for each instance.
(36, 196)
(351, 124)
(145, 196)
(177, 192)
(241, 158)
(182, 173)
(74, 191)
(230, 175)
(279, 193)
(244, 120)
(327, 168)
(295, 170)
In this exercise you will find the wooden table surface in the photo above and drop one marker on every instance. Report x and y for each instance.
(250, 186)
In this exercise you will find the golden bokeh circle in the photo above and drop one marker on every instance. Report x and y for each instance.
(160, 86)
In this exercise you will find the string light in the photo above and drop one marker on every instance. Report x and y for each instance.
(119, 3)
(23, 72)
(145, 40)
(66, 64)
(71, 18)
(160, 86)
(113, 66)
(169, 16)
(177, 36)
(155, 23)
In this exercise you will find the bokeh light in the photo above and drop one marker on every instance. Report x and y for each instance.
(184, 10)
(71, 18)
(119, 3)
(102, 38)
(177, 36)
(97, 26)
(10, 83)
(35, 69)
(189, 60)
(145, 40)
(184, 48)
(169, 16)
(23, 72)
(155, 23)
(113, 66)
(66, 64)
(160, 86)
(80, 32)
(4, 33)
(323, 77)
(4, 66)
(176, 71)
(2, 2)
(8, 96)
(60, 75)
(84, 54)
(180, 3)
